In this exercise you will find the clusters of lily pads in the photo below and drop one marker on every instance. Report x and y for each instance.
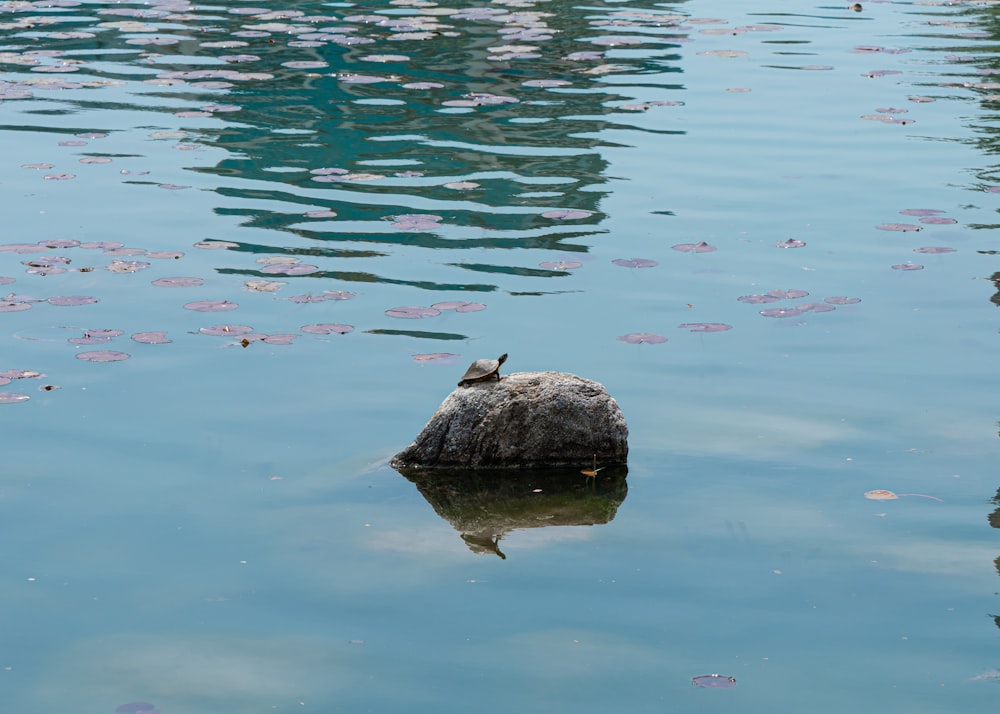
(522, 31)
(925, 216)
(43, 263)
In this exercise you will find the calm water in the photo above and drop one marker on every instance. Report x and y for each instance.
(209, 526)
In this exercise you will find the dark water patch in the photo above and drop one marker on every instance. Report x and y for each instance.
(420, 334)
(360, 277)
(508, 270)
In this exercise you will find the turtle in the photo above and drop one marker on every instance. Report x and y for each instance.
(482, 369)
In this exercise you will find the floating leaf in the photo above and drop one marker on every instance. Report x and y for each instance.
(714, 681)
(459, 306)
(480, 99)
(305, 64)
(921, 212)
(104, 245)
(816, 307)
(151, 338)
(883, 495)
(635, 263)
(758, 299)
(71, 300)
(126, 266)
(59, 243)
(246, 340)
(325, 295)
(264, 286)
(782, 312)
(103, 356)
(389, 58)
(880, 495)
(216, 244)
(898, 227)
(560, 265)
(182, 282)
(470, 307)
(9, 306)
(841, 300)
(211, 305)
(327, 328)
(14, 297)
(296, 269)
(226, 330)
(875, 73)
(545, 83)
(788, 294)
(436, 356)
(13, 397)
(699, 247)
(566, 214)
(416, 223)
(706, 326)
(21, 374)
(45, 271)
(361, 79)
(412, 312)
(637, 338)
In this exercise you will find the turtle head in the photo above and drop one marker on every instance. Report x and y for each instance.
(501, 359)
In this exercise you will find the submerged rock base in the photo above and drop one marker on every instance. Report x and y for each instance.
(527, 420)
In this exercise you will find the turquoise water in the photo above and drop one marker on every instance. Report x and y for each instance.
(205, 526)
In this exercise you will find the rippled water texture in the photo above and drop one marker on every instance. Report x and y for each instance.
(247, 251)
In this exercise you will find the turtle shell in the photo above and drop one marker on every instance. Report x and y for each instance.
(482, 369)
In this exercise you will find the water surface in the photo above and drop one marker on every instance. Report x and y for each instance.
(210, 526)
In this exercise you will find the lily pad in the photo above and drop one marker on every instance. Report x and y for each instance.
(13, 397)
(412, 312)
(714, 681)
(327, 328)
(103, 356)
(637, 338)
(211, 306)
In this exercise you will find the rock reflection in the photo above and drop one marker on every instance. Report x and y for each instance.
(485, 506)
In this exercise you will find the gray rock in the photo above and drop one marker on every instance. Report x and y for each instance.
(527, 420)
